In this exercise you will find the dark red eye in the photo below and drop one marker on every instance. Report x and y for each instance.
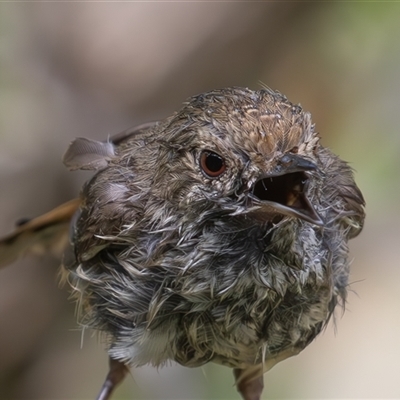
(212, 164)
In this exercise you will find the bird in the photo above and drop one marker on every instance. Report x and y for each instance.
(219, 234)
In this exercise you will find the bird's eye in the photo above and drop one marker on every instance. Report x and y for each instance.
(212, 164)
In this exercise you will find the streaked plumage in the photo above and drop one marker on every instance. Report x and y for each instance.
(243, 268)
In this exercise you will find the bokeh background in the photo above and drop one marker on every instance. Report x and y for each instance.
(95, 68)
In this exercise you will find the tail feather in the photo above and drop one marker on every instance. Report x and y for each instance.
(47, 233)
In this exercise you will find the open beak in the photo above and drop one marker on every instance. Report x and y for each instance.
(283, 191)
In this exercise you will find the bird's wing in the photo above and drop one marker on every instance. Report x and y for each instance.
(49, 232)
(88, 154)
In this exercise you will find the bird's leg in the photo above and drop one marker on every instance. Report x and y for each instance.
(116, 374)
(249, 382)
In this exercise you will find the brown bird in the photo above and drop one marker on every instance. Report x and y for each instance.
(217, 235)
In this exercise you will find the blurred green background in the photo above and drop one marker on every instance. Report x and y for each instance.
(93, 69)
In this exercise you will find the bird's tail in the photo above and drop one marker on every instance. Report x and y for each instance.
(47, 233)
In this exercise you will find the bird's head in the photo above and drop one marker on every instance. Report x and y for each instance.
(240, 151)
